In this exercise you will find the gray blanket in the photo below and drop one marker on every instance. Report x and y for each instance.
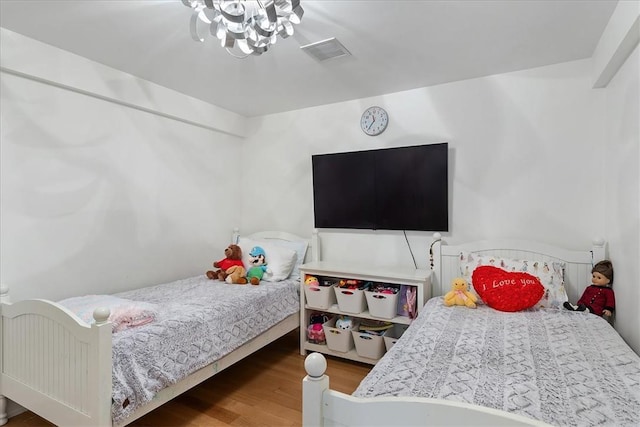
(199, 321)
(561, 367)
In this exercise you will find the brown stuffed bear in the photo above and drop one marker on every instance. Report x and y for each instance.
(233, 256)
(237, 275)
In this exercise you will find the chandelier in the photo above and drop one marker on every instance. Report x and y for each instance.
(245, 27)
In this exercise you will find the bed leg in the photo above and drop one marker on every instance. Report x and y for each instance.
(3, 411)
(313, 387)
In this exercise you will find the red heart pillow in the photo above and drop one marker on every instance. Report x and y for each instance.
(506, 290)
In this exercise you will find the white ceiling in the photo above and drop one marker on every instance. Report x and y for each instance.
(396, 45)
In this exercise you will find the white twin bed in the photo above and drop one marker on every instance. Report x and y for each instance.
(462, 366)
(72, 373)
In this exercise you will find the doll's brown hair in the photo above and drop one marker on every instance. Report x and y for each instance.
(604, 267)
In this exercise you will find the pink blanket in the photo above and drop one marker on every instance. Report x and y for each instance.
(125, 313)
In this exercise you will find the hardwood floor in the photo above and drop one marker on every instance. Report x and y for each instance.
(264, 389)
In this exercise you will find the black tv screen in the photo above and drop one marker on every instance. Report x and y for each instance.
(403, 188)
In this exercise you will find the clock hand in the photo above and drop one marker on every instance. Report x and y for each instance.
(371, 124)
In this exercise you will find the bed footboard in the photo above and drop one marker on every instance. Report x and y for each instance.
(54, 364)
(322, 406)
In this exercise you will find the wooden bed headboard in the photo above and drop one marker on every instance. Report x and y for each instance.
(578, 264)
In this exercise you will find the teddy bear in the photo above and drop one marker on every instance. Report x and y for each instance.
(233, 256)
(236, 274)
(459, 295)
(258, 266)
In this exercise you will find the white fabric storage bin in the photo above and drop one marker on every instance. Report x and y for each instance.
(350, 300)
(320, 297)
(382, 305)
(368, 345)
(338, 339)
(393, 334)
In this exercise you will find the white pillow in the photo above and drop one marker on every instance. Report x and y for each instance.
(280, 260)
(551, 275)
(300, 248)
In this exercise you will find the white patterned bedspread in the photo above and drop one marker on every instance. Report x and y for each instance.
(561, 367)
(200, 321)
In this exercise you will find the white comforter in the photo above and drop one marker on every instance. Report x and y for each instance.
(563, 368)
(199, 321)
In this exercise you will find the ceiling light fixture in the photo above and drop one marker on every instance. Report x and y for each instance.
(247, 26)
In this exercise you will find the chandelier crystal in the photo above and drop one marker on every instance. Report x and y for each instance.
(245, 26)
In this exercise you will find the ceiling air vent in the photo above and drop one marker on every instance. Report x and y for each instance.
(326, 49)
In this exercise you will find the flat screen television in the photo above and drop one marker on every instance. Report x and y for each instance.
(404, 188)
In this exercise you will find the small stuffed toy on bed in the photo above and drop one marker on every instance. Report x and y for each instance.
(233, 257)
(258, 266)
(459, 294)
(236, 275)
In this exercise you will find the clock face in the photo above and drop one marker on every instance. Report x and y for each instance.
(374, 121)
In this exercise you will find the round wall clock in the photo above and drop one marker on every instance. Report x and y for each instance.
(374, 121)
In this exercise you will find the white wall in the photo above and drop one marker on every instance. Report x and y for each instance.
(522, 150)
(526, 161)
(98, 195)
(621, 197)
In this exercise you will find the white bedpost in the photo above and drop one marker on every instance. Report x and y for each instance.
(4, 298)
(313, 387)
(598, 250)
(435, 253)
(315, 245)
(235, 236)
(100, 382)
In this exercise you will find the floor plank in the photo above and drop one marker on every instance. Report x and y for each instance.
(265, 389)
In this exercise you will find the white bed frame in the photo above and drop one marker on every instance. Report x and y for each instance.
(325, 407)
(60, 368)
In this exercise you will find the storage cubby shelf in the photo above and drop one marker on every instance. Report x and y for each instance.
(421, 279)
(334, 309)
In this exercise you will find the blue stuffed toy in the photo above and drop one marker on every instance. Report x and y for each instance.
(258, 265)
